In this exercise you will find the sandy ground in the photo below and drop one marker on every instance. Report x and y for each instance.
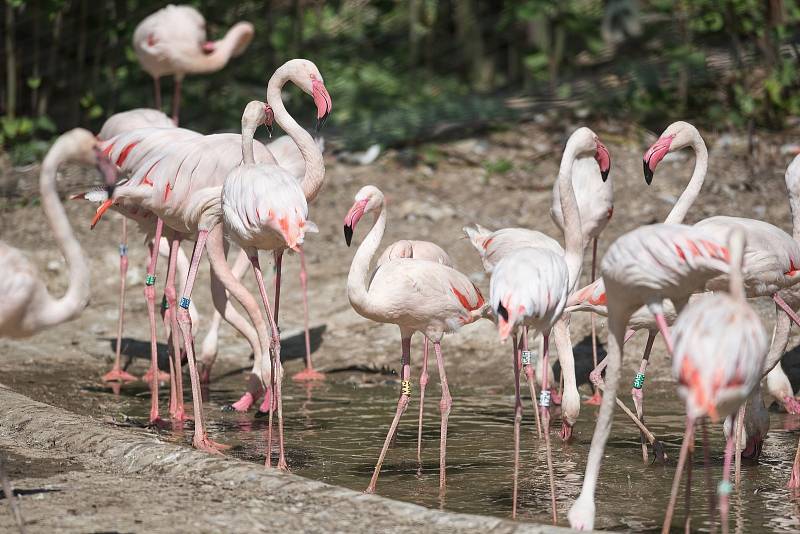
(502, 179)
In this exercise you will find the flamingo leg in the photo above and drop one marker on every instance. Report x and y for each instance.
(739, 431)
(794, 478)
(517, 422)
(544, 403)
(117, 373)
(176, 408)
(688, 436)
(157, 87)
(176, 100)
(402, 404)
(596, 376)
(595, 398)
(725, 486)
(526, 359)
(712, 502)
(200, 439)
(278, 254)
(664, 329)
(150, 298)
(687, 522)
(423, 382)
(308, 373)
(637, 392)
(786, 308)
(277, 369)
(444, 408)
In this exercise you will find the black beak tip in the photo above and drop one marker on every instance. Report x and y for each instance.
(321, 121)
(269, 129)
(110, 190)
(648, 173)
(604, 174)
(502, 311)
(348, 234)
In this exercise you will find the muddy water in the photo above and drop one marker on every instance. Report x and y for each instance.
(334, 432)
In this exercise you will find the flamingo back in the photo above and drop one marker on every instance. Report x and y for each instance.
(166, 39)
(418, 250)
(720, 345)
(494, 246)
(134, 119)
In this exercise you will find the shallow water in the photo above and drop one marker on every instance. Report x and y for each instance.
(334, 432)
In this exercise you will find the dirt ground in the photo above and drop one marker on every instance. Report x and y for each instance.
(501, 179)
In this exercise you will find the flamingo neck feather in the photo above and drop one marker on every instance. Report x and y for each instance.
(573, 237)
(678, 212)
(357, 289)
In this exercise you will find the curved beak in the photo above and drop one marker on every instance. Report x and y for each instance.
(655, 154)
(107, 169)
(323, 101)
(269, 120)
(504, 326)
(603, 160)
(352, 218)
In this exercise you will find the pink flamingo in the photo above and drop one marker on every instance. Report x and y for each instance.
(596, 206)
(417, 296)
(720, 346)
(530, 285)
(643, 267)
(28, 307)
(172, 42)
(426, 251)
(494, 246)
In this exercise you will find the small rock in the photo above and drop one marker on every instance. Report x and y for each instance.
(55, 265)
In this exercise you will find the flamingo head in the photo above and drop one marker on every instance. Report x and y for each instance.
(584, 141)
(792, 176)
(369, 198)
(603, 159)
(677, 136)
(257, 113)
(307, 76)
(508, 317)
(107, 169)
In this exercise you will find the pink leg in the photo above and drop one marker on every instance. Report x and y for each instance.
(157, 87)
(794, 479)
(117, 373)
(402, 404)
(200, 439)
(595, 398)
(664, 329)
(517, 423)
(176, 101)
(725, 486)
(277, 371)
(712, 502)
(739, 430)
(150, 297)
(308, 373)
(444, 408)
(423, 382)
(278, 254)
(544, 402)
(786, 308)
(177, 410)
(638, 394)
(525, 357)
(676, 482)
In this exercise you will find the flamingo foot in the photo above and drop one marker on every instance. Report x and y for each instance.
(555, 397)
(118, 375)
(242, 405)
(595, 399)
(180, 415)
(163, 376)
(791, 405)
(308, 374)
(266, 406)
(566, 431)
(208, 445)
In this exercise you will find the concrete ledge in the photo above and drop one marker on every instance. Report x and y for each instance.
(315, 506)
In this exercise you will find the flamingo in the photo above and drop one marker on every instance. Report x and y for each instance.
(530, 285)
(720, 346)
(418, 296)
(494, 246)
(596, 206)
(172, 41)
(643, 267)
(427, 251)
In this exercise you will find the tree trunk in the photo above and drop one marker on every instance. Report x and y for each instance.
(78, 81)
(472, 45)
(52, 63)
(297, 28)
(11, 63)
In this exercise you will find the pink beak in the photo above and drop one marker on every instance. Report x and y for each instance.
(655, 154)
(323, 101)
(603, 160)
(352, 218)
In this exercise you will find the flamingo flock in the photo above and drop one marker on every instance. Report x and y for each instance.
(689, 284)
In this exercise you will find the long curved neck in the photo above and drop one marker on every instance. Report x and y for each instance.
(357, 290)
(690, 194)
(248, 133)
(794, 206)
(77, 296)
(312, 156)
(573, 237)
(780, 340)
(224, 49)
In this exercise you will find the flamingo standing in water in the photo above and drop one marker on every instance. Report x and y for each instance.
(172, 42)
(426, 251)
(417, 296)
(494, 246)
(718, 357)
(28, 307)
(596, 206)
(643, 267)
(529, 286)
